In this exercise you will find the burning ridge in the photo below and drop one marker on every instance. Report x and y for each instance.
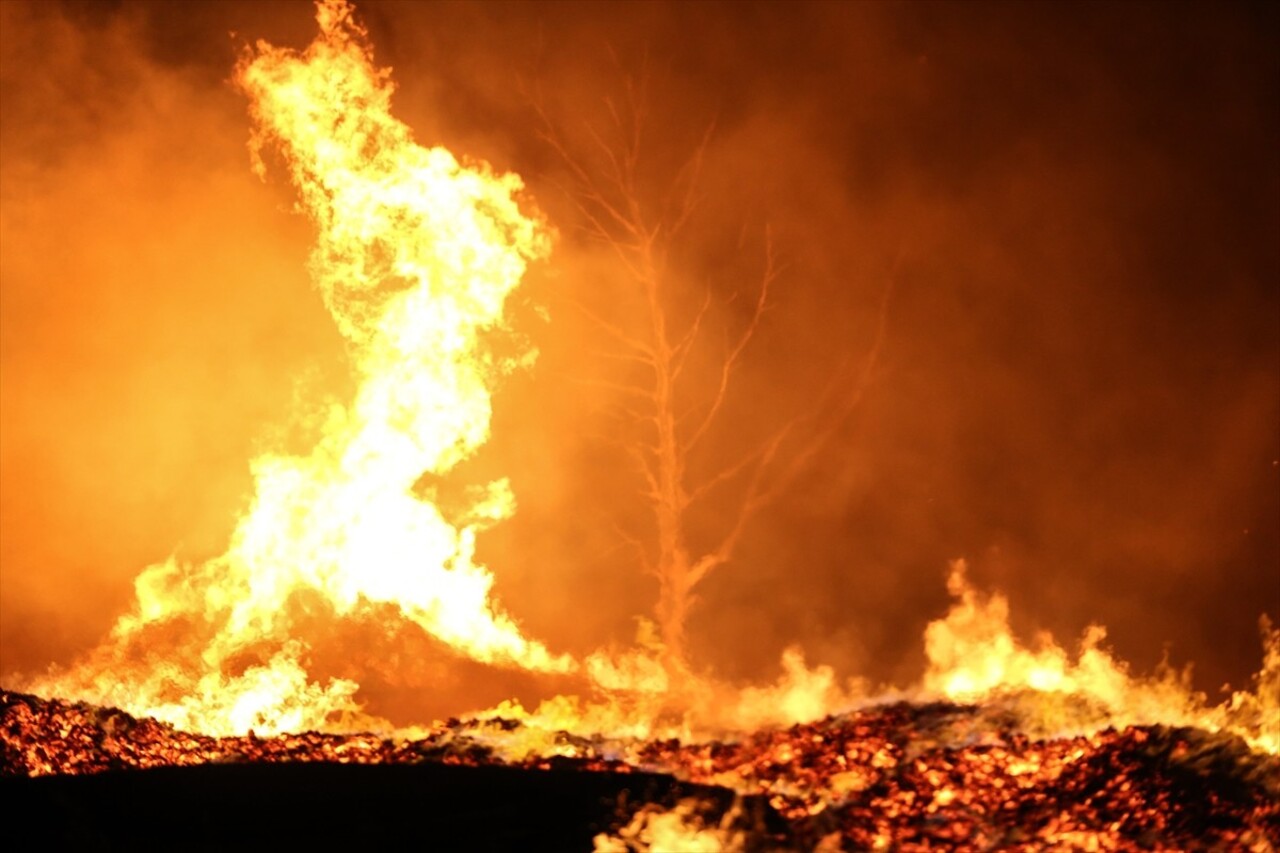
(900, 776)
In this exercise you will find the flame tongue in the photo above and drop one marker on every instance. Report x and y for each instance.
(415, 257)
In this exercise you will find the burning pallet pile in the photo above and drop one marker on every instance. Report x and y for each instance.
(898, 776)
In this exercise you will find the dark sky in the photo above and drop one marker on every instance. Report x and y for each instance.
(1079, 391)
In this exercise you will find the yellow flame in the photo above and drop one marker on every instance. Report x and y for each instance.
(974, 657)
(681, 828)
(415, 257)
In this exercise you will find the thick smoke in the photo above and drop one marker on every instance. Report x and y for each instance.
(1080, 384)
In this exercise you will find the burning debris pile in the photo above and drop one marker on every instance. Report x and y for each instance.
(1000, 746)
(898, 776)
(945, 775)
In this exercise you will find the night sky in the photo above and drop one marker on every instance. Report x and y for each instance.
(1077, 207)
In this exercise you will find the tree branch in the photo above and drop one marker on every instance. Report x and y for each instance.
(637, 544)
(688, 175)
(800, 459)
(640, 348)
(620, 387)
(751, 503)
(646, 471)
(731, 360)
(680, 351)
(631, 358)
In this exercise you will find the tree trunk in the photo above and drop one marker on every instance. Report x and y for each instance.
(675, 580)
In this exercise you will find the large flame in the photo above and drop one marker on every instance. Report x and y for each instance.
(415, 257)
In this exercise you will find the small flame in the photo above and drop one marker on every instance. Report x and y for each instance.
(974, 657)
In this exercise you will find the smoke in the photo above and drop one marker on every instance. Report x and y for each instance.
(1078, 390)
(156, 316)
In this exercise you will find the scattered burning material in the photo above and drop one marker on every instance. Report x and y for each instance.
(957, 776)
(897, 776)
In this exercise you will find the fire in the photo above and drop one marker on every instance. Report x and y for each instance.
(679, 828)
(899, 776)
(974, 657)
(415, 257)
(1001, 744)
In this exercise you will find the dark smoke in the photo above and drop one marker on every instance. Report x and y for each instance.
(1079, 391)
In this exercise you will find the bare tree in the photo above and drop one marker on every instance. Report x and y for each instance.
(675, 413)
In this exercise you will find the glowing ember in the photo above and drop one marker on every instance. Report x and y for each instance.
(891, 777)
